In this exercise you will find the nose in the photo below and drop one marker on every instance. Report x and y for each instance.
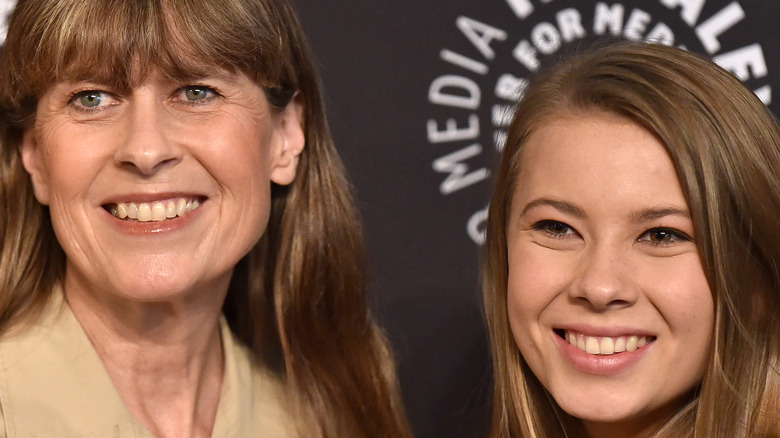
(147, 145)
(604, 279)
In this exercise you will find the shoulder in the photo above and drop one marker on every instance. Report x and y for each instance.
(254, 398)
(272, 398)
(50, 370)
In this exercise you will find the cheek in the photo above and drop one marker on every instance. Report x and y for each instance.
(535, 279)
(70, 179)
(237, 154)
(238, 163)
(691, 309)
(683, 295)
(70, 159)
(684, 300)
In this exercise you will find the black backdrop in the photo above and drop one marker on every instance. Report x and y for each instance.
(380, 61)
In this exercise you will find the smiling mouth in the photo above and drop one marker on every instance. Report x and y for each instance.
(604, 345)
(156, 211)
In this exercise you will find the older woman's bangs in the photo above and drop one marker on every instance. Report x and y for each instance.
(120, 43)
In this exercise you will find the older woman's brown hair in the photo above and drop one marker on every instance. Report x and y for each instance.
(725, 145)
(298, 298)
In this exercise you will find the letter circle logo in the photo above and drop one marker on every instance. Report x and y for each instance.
(490, 53)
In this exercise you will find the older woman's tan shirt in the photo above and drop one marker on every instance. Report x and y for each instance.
(53, 384)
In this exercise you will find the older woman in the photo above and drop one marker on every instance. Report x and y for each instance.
(631, 270)
(180, 255)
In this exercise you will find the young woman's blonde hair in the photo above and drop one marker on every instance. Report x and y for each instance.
(298, 298)
(725, 145)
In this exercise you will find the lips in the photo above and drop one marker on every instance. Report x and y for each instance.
(154, 211)
(605, 345)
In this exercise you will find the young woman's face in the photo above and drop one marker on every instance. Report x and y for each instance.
(607, 298)
(157, 191)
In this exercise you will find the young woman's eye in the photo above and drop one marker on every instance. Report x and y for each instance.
(197, 93)
(663, 236)
(554, 228)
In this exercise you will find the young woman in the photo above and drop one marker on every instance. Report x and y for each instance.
(180, 254)
(631, 269)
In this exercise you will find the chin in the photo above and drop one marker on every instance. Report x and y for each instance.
(153, 291)
(601, 413)
(154, 281)
(614, 416)
(601, 407)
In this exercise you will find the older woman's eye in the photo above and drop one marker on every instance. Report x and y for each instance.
(197, 93)
(91, 99)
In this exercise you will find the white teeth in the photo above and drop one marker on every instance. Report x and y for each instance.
(592, 345)
(121, 210)
(144, 212)
(158, 212)
(170, 210)
(181, 207)
(132, 210)
(631, 344)
(606, 345)
(155, 211)
(620, 344)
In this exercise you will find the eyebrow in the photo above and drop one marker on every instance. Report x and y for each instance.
(651, 214)
(562, 206)
(105, 79)
(645, 215)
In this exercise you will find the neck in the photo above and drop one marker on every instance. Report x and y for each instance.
(165, 358)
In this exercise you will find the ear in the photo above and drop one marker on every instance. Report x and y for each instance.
(290, 141)
(31, 160)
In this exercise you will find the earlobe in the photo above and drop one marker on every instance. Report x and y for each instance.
(31, 161)
(291, 141)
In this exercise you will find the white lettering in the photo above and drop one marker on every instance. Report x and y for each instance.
(570, 23)
(5, 10)
(741, 62)
(661, 34)
(509, 87)
(546, 38)
(608, 17)
(714, 26)
(480, 34)
(636, 24)
(463, 61)
(437, 92)
(477, 225)
(691, 9)
(765, 94)
(501, 115)
(451, 132)
(499, 139)
(521, 8)
(458, 178)
(526, 55)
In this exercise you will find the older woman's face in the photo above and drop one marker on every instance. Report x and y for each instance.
(607, 297)
(160, 190)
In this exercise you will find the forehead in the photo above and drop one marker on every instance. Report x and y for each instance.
(122, 42)
(598, 158)
(128, 75)
(131, 71)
